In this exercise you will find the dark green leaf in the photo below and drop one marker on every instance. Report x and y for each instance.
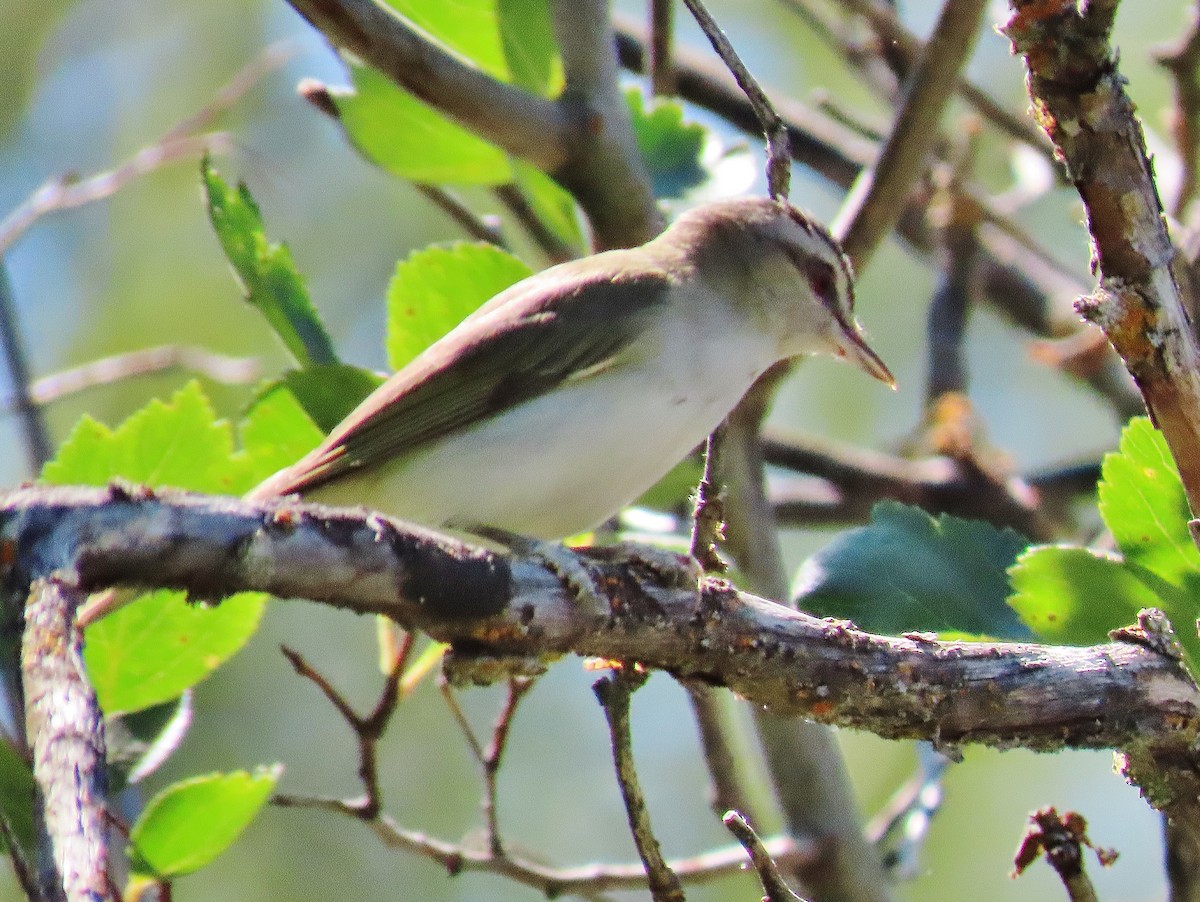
(328, 393)
(436, 288)
(277, 431)
(267, 273)
(16, 796)
(190, 823)
(910, 571)
(671, 147)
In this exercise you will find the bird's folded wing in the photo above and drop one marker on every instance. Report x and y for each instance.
(537, 336)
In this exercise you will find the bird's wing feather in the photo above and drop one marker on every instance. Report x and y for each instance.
(538, 335)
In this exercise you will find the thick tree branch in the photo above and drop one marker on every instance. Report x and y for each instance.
(1124, 695)
(1080, 100)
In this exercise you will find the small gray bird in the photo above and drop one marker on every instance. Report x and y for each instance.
(569, 394)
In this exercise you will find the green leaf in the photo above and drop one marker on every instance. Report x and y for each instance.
(277, 431)
(179, 443)
(158, 645)
(16, 795)
(1075, 596)
(190, 823)
(527, 35)
(671, 147)
(1144, 506)
(328, 393)
(155, 647)
(553, 204)
(434, 289)
(910, 571)
(268, 275)
(409, 138)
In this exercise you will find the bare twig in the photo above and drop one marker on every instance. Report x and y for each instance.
(779, 151)
(1182, 60)
(145, 362)
(774, 887)
(367, 730)
(489, 758)
(662, 37)
(708, 512)
(874, 203)
(614, 692)
(481, 228)
(37, 439)
(728, 790)
(555, 249)
(910, 812)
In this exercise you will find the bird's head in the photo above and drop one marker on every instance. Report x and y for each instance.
(780, 265)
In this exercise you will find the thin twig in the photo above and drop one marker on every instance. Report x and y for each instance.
(481, 228)
(614, 692)
(774, 887)
(1182, 60)
(38, 449)
(708, 512)
(145, 362)
(720, 756)
(878, 195)
(22, 869)
(586, 880)
(910, 812)
(555, 249)
(367, 730)
(779, 151)
(489, 758)
(662, 37)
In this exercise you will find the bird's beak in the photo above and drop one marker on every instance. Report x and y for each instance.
(851, 347)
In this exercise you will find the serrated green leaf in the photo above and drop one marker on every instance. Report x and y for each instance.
(527, 36)
(1144, 506)
(1075, 596)
(670, 147)
(178, 443)
(553, 204)
(408, 138)
(267, 272)
(190, 823)
(155, 647)
(16, 796)
(435, 288)
(910, 571)
(328, 393)
(159, 644)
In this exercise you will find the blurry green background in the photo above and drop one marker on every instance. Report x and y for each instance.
(88, 83)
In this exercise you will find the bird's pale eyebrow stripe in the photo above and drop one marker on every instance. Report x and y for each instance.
(812, 228)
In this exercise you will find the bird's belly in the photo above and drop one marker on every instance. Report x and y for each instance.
(559, 464)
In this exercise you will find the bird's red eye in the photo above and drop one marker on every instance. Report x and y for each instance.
(823, 280)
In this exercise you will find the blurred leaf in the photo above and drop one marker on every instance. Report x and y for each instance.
(268, 275)
(16, 795)
(553, 204)
(527, 35)
(24, 26)
(409, 138)
(435, 288)
(328, 393)
(277, 431)
(190, 823)
(908, 571)
(1144, 506)
(158, 645)
(671, 147)
(155, 647)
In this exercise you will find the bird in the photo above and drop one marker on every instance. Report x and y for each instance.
(563, 398)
